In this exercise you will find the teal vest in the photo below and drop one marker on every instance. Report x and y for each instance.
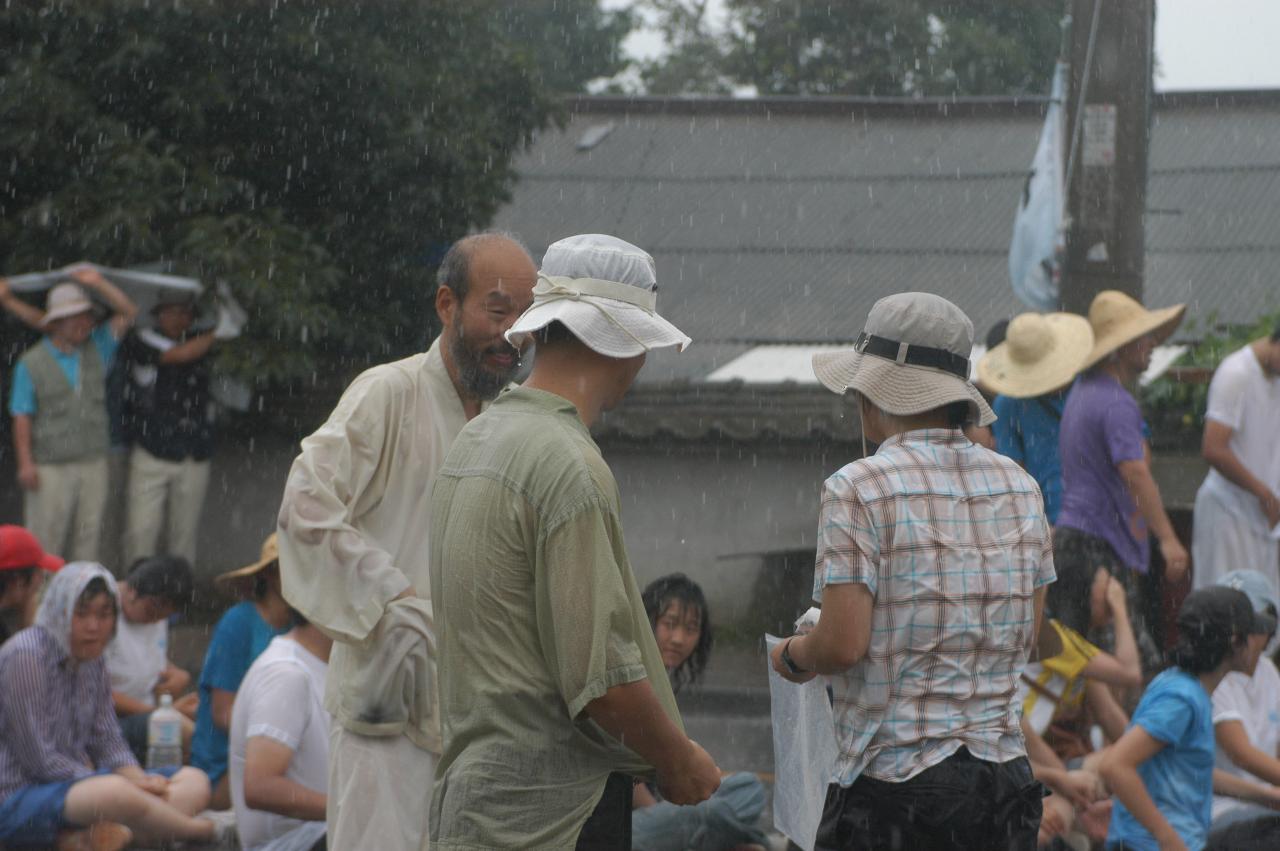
(70, 424)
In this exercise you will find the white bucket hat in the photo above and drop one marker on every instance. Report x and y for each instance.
(604, 290)
(912, 357)
(1040, 353)
(66, 299)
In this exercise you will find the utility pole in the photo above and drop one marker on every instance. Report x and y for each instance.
(1111, 65)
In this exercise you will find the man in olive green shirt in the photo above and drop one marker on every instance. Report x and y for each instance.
(551, 685)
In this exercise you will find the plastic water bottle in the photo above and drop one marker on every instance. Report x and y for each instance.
(164, 735)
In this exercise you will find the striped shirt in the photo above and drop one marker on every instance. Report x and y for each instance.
(952, 541)
(56, 718)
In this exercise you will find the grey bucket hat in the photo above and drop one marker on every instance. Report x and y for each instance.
(912, 357)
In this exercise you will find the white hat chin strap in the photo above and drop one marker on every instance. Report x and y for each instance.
(587, 290)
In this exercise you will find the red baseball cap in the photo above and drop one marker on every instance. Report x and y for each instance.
(19, 548)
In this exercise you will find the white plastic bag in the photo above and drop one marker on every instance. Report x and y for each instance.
(804, 753)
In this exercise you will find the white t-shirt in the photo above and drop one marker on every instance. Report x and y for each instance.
(281, 698)
(1244, 399)
(1254, 702)
(136, 658)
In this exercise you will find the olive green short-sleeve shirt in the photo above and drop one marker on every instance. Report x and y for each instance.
(537, 614)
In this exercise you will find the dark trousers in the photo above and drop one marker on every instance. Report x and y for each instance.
(961, 803)
(608, 828)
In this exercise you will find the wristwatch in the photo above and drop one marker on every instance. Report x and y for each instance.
(788, 661)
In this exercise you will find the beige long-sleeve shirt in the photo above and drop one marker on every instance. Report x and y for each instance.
(355, 525)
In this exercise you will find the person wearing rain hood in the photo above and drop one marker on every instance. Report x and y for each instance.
(64, 765)
(933, 559)
(355, 541)
(59, 410)
(553, 694)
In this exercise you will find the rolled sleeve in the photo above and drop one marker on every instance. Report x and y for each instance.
(333, 573)
(848, 546)
(584, 616)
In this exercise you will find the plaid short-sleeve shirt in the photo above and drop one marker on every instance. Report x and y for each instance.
(952, 541)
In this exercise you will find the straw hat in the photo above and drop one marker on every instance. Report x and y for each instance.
(912, 357)
(270, 553)
(1117, 320)
(1040, 353)
(604, 290)
(65, 299)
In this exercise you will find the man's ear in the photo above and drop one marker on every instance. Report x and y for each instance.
(447, 304)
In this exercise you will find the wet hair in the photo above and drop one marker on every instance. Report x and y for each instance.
(261, 581)
(1067, 599)
(958, 414)
(680, 589)
(297, 618)
(454, 271)
(93, 589)
(1200, 652)
(164, 576)
(996, 335)
(13, 574)
(553, 333)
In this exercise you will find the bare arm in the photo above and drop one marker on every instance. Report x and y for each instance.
(173, 680)
(28, 473)
(25, 313)
(1123, 669)
(1225, 783)
(1106, 710)
(1216, 449)
(126, 705)
(1146, 494)
(1119, 769)
(123, 310)
(267, 788)
(840, 639)
(221, 701)
(191, 350)
(632, 714)
(1233, 740)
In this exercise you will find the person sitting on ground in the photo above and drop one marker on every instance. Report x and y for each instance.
(241, 635)
(1246, 728)
(1031, 370)
(137, 657)
(681, 624)
(23, 564)
(64, 766)
(1162, 769)
(280, 744)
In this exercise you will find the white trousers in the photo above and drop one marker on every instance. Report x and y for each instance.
(156, 488)
(70, 501)
(1223, 540)
(379, 792)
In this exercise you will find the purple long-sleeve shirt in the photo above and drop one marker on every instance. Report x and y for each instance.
(56, 717)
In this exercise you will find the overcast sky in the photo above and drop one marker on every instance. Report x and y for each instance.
(1200, 44)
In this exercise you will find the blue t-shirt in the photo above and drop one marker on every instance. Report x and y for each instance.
(1027, 432)
(22, 396)
(240, 636)
(1175, 710)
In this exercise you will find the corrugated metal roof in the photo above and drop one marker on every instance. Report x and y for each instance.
(783, 223)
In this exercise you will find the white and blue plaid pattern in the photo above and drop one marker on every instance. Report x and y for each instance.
(952, 541)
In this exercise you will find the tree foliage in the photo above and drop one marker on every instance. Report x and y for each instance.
(319, 156)
(858, 47)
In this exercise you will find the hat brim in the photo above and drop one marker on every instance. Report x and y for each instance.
(1159, 323)
(1072, 343)
(898, 389)
(65, 311)
(245, 572)
(51, 563)
(614, 329)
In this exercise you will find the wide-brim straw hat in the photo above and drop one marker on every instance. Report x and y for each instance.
(65, 299)
(912, 357)
(270, 553)
(1117, 319)
(1040, 353)
(604, 290)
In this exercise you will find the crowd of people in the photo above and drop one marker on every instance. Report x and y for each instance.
(444, 643)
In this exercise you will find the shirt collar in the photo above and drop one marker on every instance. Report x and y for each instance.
(536, 401)
(952, 437)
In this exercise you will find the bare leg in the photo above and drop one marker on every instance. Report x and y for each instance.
(189, 791)
(221, 798)
(113, 798)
